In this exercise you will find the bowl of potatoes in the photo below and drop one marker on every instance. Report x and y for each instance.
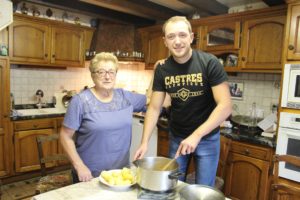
(118, 179)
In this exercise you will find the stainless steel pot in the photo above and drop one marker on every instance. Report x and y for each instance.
(200, 192)
(151, 176)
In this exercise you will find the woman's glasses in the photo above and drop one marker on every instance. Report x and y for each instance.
(103, 73)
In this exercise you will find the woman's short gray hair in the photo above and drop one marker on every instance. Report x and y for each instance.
(103, 56)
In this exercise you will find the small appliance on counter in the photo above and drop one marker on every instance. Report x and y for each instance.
(63, 98)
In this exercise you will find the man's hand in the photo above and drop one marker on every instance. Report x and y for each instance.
(140, 152)
(188, 145)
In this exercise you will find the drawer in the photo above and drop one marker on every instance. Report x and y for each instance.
(34, 124)
(251, 150)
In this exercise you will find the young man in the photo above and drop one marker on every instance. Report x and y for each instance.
(200, 102)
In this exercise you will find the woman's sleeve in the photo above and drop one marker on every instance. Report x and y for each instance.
(138, 101)
(73, 116)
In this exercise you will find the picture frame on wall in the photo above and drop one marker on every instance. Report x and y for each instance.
(236, 90)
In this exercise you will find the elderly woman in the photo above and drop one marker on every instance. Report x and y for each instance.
(101, 117)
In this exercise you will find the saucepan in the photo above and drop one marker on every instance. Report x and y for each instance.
(200, 192)
(153, 175)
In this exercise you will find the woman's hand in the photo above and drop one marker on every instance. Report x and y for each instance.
(84, 174)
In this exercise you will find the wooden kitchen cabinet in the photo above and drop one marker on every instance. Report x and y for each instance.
(29, 41)
(67, 46)
(247, 172)
(293, 32)
(262, 43)
(37, 41)
(154, 47)
(221, 36)
(4, 117)
(25, 146)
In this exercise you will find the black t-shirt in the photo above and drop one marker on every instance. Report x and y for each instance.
(189, 86)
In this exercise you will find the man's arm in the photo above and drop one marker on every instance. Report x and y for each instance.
(220, 113)
(152, 114)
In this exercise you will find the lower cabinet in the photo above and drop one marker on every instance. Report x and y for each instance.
(247, 172)
(25, 146)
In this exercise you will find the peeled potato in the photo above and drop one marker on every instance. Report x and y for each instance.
(118, 178)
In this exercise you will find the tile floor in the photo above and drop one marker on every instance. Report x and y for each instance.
(22, 190)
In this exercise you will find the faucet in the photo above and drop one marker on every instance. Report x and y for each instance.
(39, 95)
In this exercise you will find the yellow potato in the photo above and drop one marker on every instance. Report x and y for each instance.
(118, 178)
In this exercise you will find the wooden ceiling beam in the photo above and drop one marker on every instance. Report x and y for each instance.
(140, 8)
(96, 11)
(212, 7)
(274, 2)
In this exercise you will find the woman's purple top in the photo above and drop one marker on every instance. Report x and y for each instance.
(103, 130)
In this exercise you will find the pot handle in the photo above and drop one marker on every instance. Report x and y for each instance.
(175, 175)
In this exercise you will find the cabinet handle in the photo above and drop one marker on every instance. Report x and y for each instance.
(53, 56)
(291, 47)
(35, 125)
(243, 59)
(5, 116)
(247, 152)
(46, 55)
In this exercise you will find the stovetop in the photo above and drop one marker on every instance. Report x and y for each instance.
(144, 194)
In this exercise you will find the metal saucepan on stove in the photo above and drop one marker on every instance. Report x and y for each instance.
(200, 192)
(153, 175)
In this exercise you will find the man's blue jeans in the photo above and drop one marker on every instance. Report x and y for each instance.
(206, 157)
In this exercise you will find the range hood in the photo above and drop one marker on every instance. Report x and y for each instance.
(6, 13)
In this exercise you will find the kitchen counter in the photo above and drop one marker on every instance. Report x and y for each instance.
(232, 134)
(93, 190)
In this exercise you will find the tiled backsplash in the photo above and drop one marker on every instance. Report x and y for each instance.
(26, 81)
(263, 89)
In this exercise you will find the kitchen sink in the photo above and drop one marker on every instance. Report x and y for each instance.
(42, 111)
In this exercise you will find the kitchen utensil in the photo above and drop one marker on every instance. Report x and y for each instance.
(150, 175)
(200, 192)
(168, 164)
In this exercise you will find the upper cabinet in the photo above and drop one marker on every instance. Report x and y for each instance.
(293, 32)
(221, 36)
(35, 41)
(250, 41)
(262, 43)
(154, 47)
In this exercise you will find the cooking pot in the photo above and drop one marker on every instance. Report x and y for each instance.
(151, 174)
(200, 192)
(245, 124)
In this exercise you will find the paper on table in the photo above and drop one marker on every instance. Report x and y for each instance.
(267, 122)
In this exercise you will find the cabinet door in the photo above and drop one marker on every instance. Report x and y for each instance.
(156, 50)
(26, 152)
(262, 43)
(224, 36)
(29, 42)
(246, 178)
(293, 52)
(67, 46)
(4, 117)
